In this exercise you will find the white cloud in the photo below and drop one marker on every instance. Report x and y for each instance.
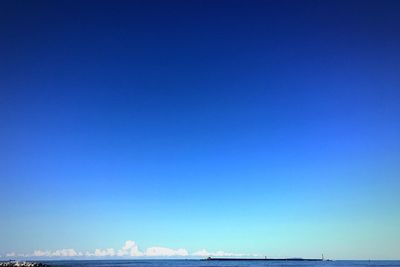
(165, 252)
(129, 249)
(41, 253)
(69, 252)
(205, 253)
(109, 252)
(66, 252)
(87, 254)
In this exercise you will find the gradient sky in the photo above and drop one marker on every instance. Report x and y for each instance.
(266, 127)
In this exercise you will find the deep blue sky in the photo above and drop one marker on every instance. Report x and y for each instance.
(267, 127)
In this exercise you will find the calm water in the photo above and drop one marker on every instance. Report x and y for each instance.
(198, 263)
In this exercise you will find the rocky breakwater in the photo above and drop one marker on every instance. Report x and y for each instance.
(23, 264)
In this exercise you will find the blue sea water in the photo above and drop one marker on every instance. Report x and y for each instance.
(200, 263)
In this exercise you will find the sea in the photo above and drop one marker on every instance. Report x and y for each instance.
(202, 263)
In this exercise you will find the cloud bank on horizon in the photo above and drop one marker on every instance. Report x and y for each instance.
(129, 250)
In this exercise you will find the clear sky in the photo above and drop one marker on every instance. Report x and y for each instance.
(254, 127)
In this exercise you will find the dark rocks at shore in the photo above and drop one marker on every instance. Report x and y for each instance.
(22, 264)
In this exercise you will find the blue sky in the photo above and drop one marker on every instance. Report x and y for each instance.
(261, 127)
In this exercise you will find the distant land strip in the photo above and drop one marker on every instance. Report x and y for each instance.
(260, 259)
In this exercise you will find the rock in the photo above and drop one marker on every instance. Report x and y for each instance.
(22, 264)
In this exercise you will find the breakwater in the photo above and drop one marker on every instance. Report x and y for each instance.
(260, 259)
(22, 264)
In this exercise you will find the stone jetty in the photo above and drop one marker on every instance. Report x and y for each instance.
(22, 264)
